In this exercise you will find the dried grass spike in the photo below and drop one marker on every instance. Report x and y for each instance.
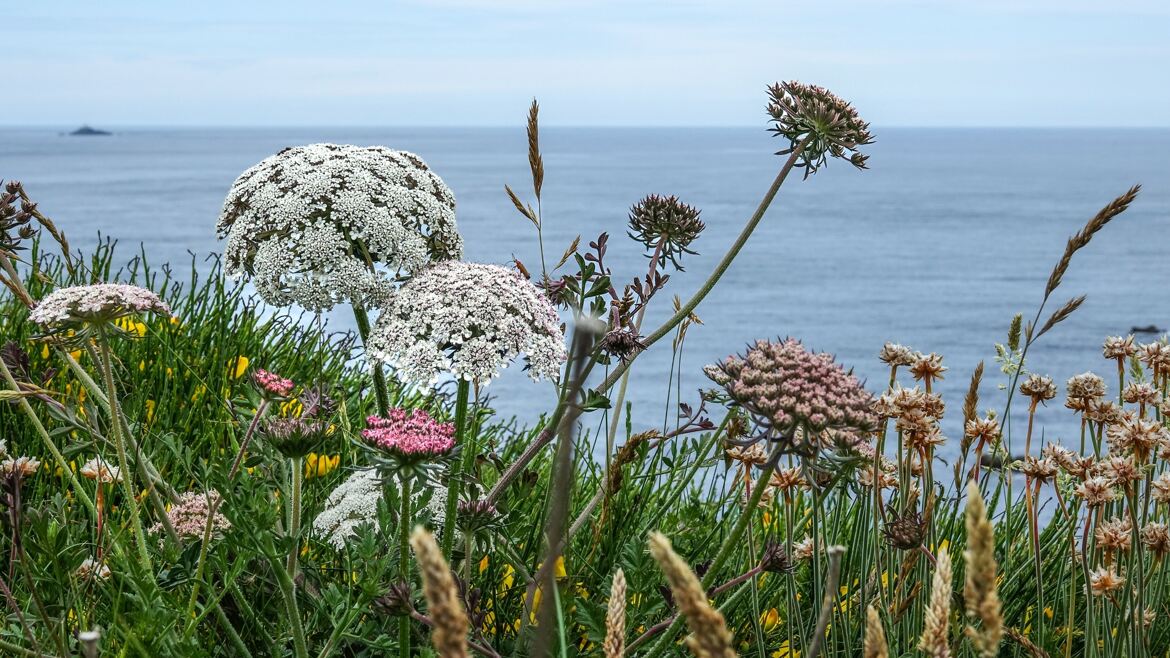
(875, 635)
(709, 635)
(449, 636)
(535, 162)
(1082, 238)
(1061, 314)
(979, 593)
(935, 642)
(971, 402)
(615, 618)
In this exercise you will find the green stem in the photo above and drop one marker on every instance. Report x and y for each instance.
(120, 445)
(459, 468)
(288, 590)
(294, 522)
(380, 389)
(404, 523)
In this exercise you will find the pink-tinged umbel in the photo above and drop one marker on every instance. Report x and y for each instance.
(273, 384)
(409, 434)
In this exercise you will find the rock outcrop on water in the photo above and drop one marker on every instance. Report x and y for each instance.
(88, 131)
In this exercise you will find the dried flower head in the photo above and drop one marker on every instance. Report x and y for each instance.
(1119, 347)
(409, 436)
(1096, 491)
(905, 531)
(91, 569)
(100, 304)
(804, 549)
(189, 516)
(623, 344)
(894, 355)
(311, 225)
(786, 388)
(1083, 387)
(398, 601)
(1160, 488)
(1156, 537)
(475, 515)
(775, 558)
(1038, 387)
(1140, 393)
(927, 367)
(666, 226)
(1104, 581)
(1040, 470)
(1119, 470)
(1113, 534)
(297, 436)
(97, 469)
(19, 467)
(825, 124)
(470, 320)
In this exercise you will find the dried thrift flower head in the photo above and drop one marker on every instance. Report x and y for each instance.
(19, 467)
(311, 225)
(353, 504)
(1136, 435)
(814, 116)
(927, 367)
(1119, 347)
(1160, 490)
(1096, 491)
(905, 531)
(91, 569)
(666, 226)
(623, 344)
(189, 516)
(1039, 388)
(786, 388)
(1104, 581)
(97, 469)
(775, 558)
(80, 307)
(412, 436)
(272, 385)
(296, 437)
(1113, 534)
(895, 355)
(1084, 387)
(1156, 537)
(1040, 470)
(470, 320)
(1140, 393)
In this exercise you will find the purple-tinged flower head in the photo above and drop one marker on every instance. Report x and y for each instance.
(786, 388)
(469, 320)
(295, 437)
(81, 307)
(189, 516)
(409, 436)
(814, 116)
(272, 385)
(666, 226)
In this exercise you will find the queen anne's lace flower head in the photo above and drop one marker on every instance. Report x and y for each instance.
(99, 303)
(189, 516)
(470, 320)
(310, 224)
(354, 503)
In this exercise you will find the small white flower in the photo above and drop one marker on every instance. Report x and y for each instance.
(98, 469)
(309, 224)
(92, 569)
(470, 320)
(354, 504)
(100, 302)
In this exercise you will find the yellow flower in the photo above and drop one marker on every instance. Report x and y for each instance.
(175, 321)
(508, 578)
(150, 405)
(770, 620)
(170, 373)
(785, 651)
(291, 409)
(199, 391)
(45, 355)
(483, 564)
(238, 367)
(130, 325)
(317, 466)
(142, 365)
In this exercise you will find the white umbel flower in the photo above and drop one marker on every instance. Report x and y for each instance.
(100, 302)
(324, 224)
(470, 320)
(354, 503)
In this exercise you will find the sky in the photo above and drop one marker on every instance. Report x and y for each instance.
(589, 62)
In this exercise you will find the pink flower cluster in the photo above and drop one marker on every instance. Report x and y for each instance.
(412, 434)
(189, 516)
(272, 383)
(786, 386)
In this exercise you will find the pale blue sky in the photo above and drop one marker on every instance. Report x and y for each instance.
(597, 62)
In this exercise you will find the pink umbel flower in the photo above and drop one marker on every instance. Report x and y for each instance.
(273, 384)
(786, 387)
(410, 435)
(189, 516)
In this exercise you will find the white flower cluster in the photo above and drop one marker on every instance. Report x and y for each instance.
(310, 224)
(101, 302)
(354, 503)
(470, 320)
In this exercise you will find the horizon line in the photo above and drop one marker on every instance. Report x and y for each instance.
(520, 126)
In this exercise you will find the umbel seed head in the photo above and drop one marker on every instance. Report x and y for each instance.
(825, 124)
(666, 226)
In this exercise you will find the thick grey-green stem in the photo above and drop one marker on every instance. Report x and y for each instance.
(380, 389)
(459, 468)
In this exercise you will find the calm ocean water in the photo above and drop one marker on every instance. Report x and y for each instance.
(948, 235)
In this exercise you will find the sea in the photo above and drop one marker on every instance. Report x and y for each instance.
(947, 235)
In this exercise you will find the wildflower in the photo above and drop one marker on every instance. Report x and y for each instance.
(1082, 388)
(311, 224)
(803, 549)
(986, 430)
(622, 343)
(272, 384)
(895, 355)
(97, 469)
(1154, 355)
(750, 455)
(1156, 537)
(1113, 535)
(1039, 470)
(1104, 581)
(905, 531)
(825, 124)
(396, 602)
(770, 620)
(352, 504)
(1119, 470)
(1161, 488)
(775, 559)
(470, 320)
(1096, 491)
(295, 437)
(1103, 411)
(475, 515)
(666, 226)
(189, 516)
(1119, 347)
(927, 367)
(78, 307)
(788, 388)
(19, 467)
(238, 366)
(91, 569)
(1140, 393)
(410, 435)
(1038, 387)
(317, 466)
(1137, 435)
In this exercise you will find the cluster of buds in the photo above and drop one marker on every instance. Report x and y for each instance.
(271, 385)
(818, 122)
(15, 224)
(666, 226)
